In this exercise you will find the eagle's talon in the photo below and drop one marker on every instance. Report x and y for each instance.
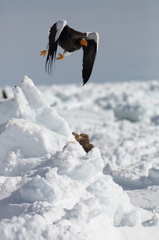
(60, 57)
(43, 53)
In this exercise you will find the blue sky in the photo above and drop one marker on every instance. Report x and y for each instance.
(128, 47)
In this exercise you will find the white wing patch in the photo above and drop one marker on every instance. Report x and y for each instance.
(59, 26)
(93, 36)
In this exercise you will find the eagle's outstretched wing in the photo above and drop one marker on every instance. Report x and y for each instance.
(89, 55)
(54, 35)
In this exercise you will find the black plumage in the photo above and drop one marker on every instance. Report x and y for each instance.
(89, 54)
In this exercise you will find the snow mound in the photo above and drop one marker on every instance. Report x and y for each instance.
(50, 188)
(33, 139)
(31, 105)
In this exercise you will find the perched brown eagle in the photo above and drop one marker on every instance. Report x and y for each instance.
(83, 140)
(70, 40)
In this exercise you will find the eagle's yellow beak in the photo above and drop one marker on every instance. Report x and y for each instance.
(83, 42)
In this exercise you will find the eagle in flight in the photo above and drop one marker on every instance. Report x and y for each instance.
(71, 40)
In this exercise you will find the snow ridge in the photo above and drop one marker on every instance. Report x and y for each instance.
(50, 188)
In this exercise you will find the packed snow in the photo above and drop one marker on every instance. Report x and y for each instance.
(50, 188)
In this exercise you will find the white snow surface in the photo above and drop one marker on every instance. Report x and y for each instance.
(50, 188)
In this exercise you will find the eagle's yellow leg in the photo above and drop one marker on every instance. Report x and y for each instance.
(60, 57)
(43, 53)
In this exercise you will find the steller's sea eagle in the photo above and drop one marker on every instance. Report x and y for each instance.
(70, 40)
